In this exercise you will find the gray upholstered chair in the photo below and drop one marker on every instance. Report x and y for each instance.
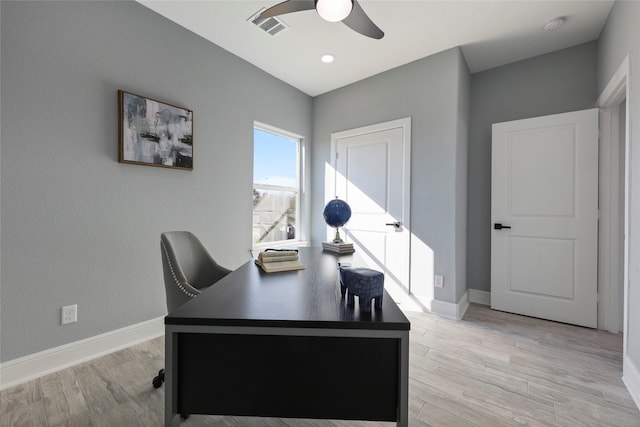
(188, 269)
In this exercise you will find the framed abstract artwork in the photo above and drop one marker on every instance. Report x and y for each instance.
(154, 133)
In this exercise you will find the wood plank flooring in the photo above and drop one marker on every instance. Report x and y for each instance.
(490, 369)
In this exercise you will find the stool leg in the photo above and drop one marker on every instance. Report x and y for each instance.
(343, 289)
(378, 303)
(350, 299)
(365, 304)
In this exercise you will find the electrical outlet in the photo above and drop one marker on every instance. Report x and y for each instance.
(439, 281)
(69, 314)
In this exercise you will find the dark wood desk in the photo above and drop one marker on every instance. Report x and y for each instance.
(286, 345)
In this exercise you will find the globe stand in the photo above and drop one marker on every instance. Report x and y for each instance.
(337, 238)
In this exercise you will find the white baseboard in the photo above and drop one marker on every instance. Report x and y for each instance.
(631, 378)
(450, 310)
(479, 297)
(29, 367)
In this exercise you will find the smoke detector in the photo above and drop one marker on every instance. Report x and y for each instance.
(272, 25)
(554, 24)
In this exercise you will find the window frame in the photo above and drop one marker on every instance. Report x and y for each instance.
(298, 189)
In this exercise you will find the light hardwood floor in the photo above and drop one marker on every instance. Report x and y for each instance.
(490, 369)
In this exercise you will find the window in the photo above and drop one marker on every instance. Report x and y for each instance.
(276, 186)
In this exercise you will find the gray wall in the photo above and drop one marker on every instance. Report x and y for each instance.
(461, 184)
(621, 36)
(548, 84)
(79, 227)
(433, 92)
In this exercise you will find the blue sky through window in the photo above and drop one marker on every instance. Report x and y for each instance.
(274, 159)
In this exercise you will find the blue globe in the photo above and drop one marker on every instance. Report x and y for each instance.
(336, 213)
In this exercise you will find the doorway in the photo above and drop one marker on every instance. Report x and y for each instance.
(372, 173)
(613, 279)
(544, 208)
(612, 217)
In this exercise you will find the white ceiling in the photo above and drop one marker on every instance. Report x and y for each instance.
(490, 33)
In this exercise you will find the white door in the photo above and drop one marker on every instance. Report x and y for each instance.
(544, 184)
(372, 176)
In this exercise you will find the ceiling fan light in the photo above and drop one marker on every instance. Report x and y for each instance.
(334, 10)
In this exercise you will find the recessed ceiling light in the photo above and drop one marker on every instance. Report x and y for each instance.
(554, 24)
(327, 58)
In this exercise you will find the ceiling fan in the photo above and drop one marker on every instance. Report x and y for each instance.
(347, 11)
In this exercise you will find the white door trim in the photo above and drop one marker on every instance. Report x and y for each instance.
(616, 90)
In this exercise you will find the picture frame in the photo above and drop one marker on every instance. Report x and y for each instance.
(154, 133)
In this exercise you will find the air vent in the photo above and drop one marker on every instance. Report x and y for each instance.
(271, 25)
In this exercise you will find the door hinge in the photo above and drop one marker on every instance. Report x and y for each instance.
(336, 155)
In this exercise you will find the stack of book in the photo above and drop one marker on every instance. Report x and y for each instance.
(274, 260)
(340, 248)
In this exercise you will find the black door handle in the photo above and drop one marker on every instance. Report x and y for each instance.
(498, 226)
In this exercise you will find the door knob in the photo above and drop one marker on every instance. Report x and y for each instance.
(498, 226)
(397, 225)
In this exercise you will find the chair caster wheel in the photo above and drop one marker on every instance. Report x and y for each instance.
(157, 381)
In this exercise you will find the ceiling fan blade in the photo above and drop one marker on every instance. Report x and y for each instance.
(288, 6)
(359, 21)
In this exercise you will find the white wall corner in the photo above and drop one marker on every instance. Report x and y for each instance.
(631, 378)
(479, 297)
(450, 310)
(36, 365)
